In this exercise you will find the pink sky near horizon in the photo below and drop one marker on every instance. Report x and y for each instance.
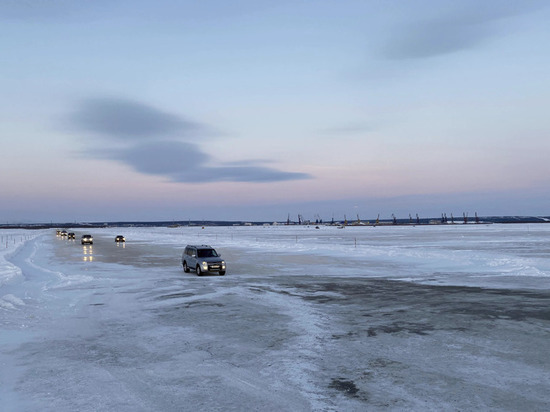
(177, 110)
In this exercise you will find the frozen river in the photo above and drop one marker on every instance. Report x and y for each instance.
(450, 317)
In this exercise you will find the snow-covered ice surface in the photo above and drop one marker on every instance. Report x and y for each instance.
(450, 317)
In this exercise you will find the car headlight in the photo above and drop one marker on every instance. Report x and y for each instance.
(223, 264)
(204, 265)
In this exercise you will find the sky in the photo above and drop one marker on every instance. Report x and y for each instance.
(259, 109)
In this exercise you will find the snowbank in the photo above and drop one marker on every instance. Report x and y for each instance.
(11, 240)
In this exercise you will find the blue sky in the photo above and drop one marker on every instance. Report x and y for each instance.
(253, 110)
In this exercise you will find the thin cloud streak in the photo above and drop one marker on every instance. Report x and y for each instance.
(251, 174)
(429, 39)
(465, 27)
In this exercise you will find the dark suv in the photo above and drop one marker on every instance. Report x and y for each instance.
(203, 259)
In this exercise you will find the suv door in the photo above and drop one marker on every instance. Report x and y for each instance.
(189, 259)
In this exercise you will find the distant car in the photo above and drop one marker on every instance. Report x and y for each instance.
(63, 233)
(120, 238)
(71, 235)
(58, 232)
(87, 239)
(202, 259)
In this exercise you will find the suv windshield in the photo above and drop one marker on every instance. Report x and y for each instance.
(204, 253)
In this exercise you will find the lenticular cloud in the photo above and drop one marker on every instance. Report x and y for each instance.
(158, 143)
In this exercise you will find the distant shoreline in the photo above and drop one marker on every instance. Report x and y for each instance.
(386, 222)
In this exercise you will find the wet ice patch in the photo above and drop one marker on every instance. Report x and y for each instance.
(343, 385)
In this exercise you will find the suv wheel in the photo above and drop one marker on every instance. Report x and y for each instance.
(222, 272)
(198, 270)
(185, 267)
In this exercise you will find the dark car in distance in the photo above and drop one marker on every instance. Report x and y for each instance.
(87, 240)
(71, 235)
(120, 238)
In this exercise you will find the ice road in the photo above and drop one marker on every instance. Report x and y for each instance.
(387, 318)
